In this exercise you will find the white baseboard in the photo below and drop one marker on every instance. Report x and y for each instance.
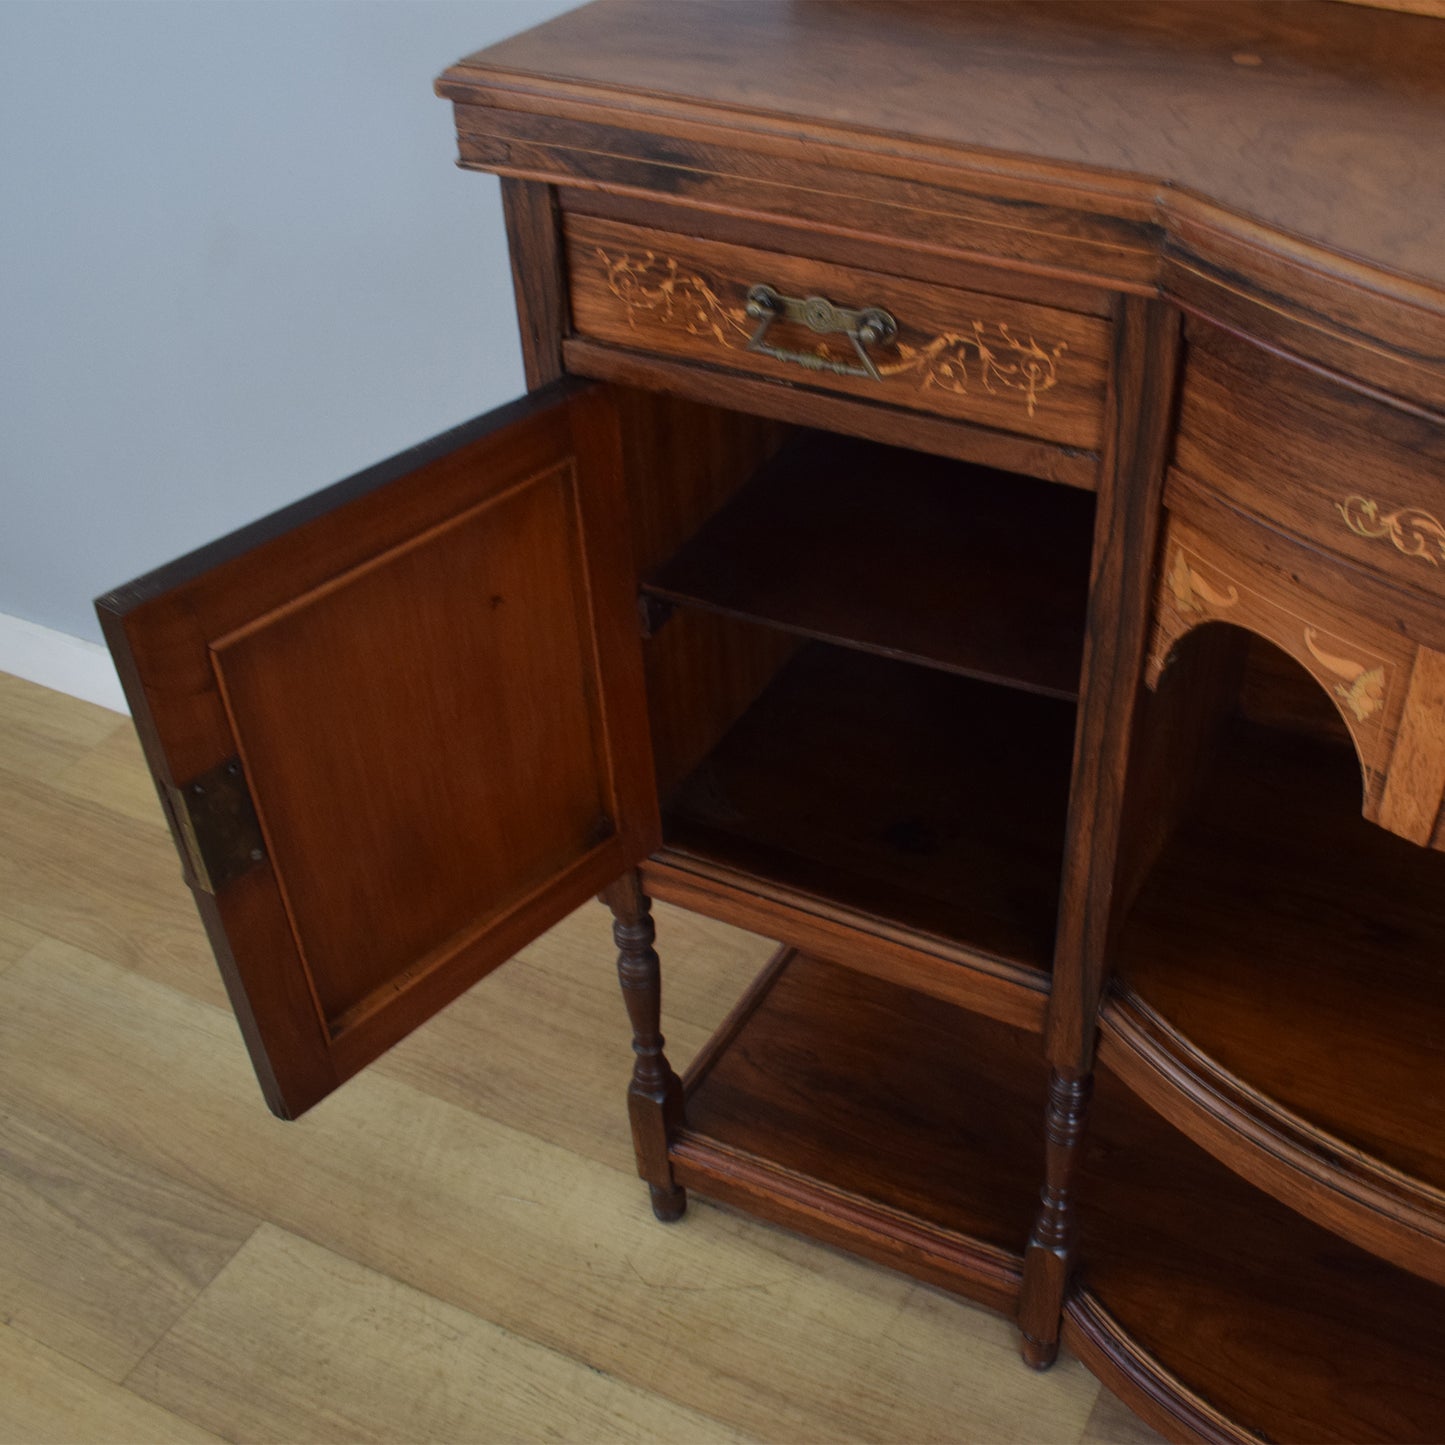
(58, 660)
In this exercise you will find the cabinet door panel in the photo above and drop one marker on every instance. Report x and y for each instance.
(425, 684)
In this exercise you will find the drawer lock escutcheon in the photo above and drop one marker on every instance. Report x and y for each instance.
(870, 327)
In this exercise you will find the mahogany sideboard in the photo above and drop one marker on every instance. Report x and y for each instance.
(978, 517)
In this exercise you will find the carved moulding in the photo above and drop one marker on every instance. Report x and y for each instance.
(1362, 668)
(986, 354)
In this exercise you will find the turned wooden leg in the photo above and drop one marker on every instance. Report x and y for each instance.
(1049, 1259)
(654, 1098)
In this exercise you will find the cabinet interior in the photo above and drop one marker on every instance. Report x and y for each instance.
(863, 672)
(1292, 942)
(820, 736)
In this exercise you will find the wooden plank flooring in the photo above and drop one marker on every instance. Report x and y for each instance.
(453, 1248)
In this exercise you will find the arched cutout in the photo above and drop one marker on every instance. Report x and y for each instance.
(1363, 668)
(1269, 684)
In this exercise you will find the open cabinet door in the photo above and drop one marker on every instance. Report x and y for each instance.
(399, 728)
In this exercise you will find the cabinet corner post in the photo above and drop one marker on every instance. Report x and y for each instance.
(654, 1097)
(534, 242)
(1141, 398)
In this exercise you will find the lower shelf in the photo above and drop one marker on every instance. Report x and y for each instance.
(909, 1131)
(876, 1118)
(1218, 1313)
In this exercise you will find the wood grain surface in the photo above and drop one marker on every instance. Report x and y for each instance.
(1325, 1343)
(1126, 531)
(828, 1065)
(360, 1230)
(1348, 473)
(1290, 951)
(967, 569)
(922, 799)
(1270, 165)
(418, 822)
(1007, 364)
(1187, 94)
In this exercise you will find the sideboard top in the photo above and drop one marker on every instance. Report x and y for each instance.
(1325, 122)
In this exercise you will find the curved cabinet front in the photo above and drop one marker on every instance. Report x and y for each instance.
(1276, 989)
(1219, 1314)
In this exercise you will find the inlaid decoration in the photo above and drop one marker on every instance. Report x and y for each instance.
(987, 355)
(1192, 592)
(1196, 589)
(1412, 530)
(1389, 691)
(1362, 688)
(658, 287)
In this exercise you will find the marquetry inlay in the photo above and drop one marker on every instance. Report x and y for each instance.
(983, 354)
(1197, 588)
(1412, 530)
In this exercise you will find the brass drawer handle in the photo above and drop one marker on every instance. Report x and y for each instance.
(870, 327)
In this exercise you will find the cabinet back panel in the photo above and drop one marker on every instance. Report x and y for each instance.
(685, 461)
(703, 673)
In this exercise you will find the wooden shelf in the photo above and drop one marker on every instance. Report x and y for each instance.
(1203, 1301)
(907, 1131)
(899, 795)
(1283, 995)
(916, 1123)
(960, 567)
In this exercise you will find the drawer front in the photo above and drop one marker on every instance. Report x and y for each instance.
(1355, 476)
(1029, 369)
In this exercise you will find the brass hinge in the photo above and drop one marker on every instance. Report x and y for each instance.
(217, 823)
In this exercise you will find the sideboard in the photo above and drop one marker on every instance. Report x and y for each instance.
(977, 517)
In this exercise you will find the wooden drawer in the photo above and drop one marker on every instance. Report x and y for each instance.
(1033, 370)
(1361, 478)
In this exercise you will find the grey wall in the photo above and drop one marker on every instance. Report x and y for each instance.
(236, 263)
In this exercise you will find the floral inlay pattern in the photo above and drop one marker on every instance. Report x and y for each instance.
(1362, 688)
(1200, 591)
(999, 360)
(656, 284)
(1192, 592)
(988, 355)
(1413, 531)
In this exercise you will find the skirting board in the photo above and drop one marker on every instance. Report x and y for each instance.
(59, 661)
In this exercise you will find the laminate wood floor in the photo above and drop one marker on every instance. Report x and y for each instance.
(452, 1248)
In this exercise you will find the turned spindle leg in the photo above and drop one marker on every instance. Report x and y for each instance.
(1049, 1259)
(654, 1098)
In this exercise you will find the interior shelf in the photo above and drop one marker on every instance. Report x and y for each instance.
(1192, 1278)
(1285, 961)
(960, 567)
(918, 1120)
(899, 794)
